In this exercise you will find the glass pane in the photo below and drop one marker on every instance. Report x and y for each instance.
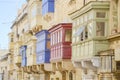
(68, 35)
(61, 36)
(48, 36)
(48, 44)
(58, 36)
(118, 65)
(100, 27)
(100, 14)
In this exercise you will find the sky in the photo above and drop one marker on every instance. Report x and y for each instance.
(8, 12)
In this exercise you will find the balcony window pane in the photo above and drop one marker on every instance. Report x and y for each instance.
(100, 28)
(68, 35)
(118, 65)
(100, 14)
(60, 36)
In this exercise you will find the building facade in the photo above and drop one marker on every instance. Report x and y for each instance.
(65, 40)
(3, 64)
(61, 51)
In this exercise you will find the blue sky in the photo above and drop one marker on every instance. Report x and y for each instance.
(8, 12)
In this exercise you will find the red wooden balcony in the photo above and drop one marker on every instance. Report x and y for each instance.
(61, 41)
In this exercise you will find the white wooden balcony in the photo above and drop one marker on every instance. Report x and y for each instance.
(88, 49)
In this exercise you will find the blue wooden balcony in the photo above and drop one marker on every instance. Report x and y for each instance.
(47, 6)
(43, 47)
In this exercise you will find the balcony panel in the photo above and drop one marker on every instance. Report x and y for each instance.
(61, 51)
(89, 49)
(40, 46)
(66, 52)
(43, 57)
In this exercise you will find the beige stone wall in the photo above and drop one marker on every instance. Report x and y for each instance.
(3, 64)
(35, 18)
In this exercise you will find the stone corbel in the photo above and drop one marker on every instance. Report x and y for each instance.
(24, 69)
(34, 69)
(59, 66)
(77, 64)
(40, 68)
(29, 32)
(52, 72)
(29, 69)
(71, 2)
(96, 62)
(54, 67)
(88, 65)
(48, 17)
(37, 28)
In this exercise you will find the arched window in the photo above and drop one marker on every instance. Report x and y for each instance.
(70, 76)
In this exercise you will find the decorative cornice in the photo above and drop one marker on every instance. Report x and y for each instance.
(89, 6)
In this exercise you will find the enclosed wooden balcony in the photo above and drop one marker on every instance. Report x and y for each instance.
(88, 49)
(31, 51)
(43, 47)
(48, 9)
(60, 42)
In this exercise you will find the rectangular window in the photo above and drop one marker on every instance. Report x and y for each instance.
(81, 37)
(48, 44)
(11, 40)
(57, 78)
(86, 33)
(118, 65)
(52, 79)
(48, 36)
(100, 14)
(58, 36)
(68, 35)
(61, 36)
(51, 40)
(100, 28)
(106, 63)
